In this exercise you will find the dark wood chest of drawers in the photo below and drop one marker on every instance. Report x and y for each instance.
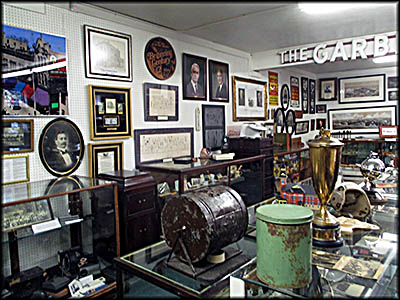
(139, 222)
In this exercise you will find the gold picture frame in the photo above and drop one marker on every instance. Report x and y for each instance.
(17, 136)
(105, 157)
(15, 168)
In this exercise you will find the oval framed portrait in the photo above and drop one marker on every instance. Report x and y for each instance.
(290, 121)
(160, 58)
(285, 96)
(61, 147)
(63, 184)
(280, 120)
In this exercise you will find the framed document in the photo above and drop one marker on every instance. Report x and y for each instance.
(213, 126)
(17, 136)
(110, 112)
(15, 168)
(105, 157)
(160, 102)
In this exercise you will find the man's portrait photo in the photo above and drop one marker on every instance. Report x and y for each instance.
(61, 147)
(259, 99)
(194, 77)
(241, 97)
(219, 81)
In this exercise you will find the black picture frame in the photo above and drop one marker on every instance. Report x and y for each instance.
(189, 60)
(362, 89)
(304, 94)
(327, 89)
(393, 82)
(320, 109)
(17, 136)
(113, 152)
(302, 127)
(213, 118)
(280, 120)
(290, 121)
(160, 102)
(100, 59)
(320, 123)
(67, 134)
(294, 92)
(218, 92)
(311, 95)
(285, 96)
(110, 112)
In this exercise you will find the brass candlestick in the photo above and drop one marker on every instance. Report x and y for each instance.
(325, 155)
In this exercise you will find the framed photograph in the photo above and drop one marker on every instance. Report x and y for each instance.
(298, 114)
(110, 112)
(312, 124)
(213, 126)
(388, 131)
(280, 120)
(218, 74)
(393, 95)
(249, 99)
(311, 95)
(15, 168)
(360, 89)
(156, 145)
(290, 123)
(327, 89)
(302, 127)
(294, 92)
(160, 102)
(61, 147)
(362, 120)
(393, 82)
(34, 73)
(321, 123)
(105, 157)
(194, 77)
(107, 54)
(285, 97)
(160, 58)
(304, 94)
(17, 136)
(320, 108)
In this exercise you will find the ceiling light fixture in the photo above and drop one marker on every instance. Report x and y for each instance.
(385, 59)
(332, 7)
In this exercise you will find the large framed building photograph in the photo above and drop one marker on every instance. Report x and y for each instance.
(360, 89)
(17, 136)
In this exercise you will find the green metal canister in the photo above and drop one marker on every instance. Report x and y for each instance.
(284, 245)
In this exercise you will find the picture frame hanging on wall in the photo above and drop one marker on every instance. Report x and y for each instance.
(107, 54)
(311, 95)
(160, 59)
(280, 120)
(321, 123)
(247, 94)
(218, 76)
(366, 120)
(194, 77)
(17, 136)
(213, 126)
(290, 121)
(15, 168)
(361, 89)
(285, 96)
(302, 127)
(327, 89)
(105, 157)
(320, 108)
(294, 92)
(160, 102)
(304, 94)
(61, 147)
(110, 112)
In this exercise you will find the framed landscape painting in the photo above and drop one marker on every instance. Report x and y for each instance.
(360, 89)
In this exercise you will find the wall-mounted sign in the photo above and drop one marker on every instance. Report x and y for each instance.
(359, 48)
(160, 58)
(273, 88)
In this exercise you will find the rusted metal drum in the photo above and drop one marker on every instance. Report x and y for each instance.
(207, 220)
(284, 248)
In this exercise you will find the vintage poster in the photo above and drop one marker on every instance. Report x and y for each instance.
(294, 91)
(273, 88)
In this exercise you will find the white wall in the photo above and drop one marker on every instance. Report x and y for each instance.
(54, 19)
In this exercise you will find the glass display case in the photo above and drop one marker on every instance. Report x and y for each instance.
(54, 231)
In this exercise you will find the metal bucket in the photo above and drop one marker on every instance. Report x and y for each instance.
(284, 245)
(207, 220)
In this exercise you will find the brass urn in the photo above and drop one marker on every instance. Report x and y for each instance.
(325, 156)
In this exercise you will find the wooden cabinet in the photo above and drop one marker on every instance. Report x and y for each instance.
(139, 220)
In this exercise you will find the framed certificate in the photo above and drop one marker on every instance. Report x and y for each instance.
(105, 157)
(15, 168)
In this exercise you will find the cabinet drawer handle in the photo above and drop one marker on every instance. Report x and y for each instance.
(143, 230)
(142, 201)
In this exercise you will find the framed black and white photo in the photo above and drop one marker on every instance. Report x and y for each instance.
(393, 82)
(311, 95)
(290, 122)
(160, 102)
(110, 112)
(17, 136)
(302, 127)
(360, 89)
(327, 89)
(194, 77)
(105, 157)
(107, 54)
(249, 99)
(285, 96)
(393, 95)
(362, 120)
(280, 120)
(213, 126)
(304, 94)
(61, 147)
(218, 76)
(320, 108)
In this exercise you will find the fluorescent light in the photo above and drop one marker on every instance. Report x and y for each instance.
(332, 7)
(385, 59)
